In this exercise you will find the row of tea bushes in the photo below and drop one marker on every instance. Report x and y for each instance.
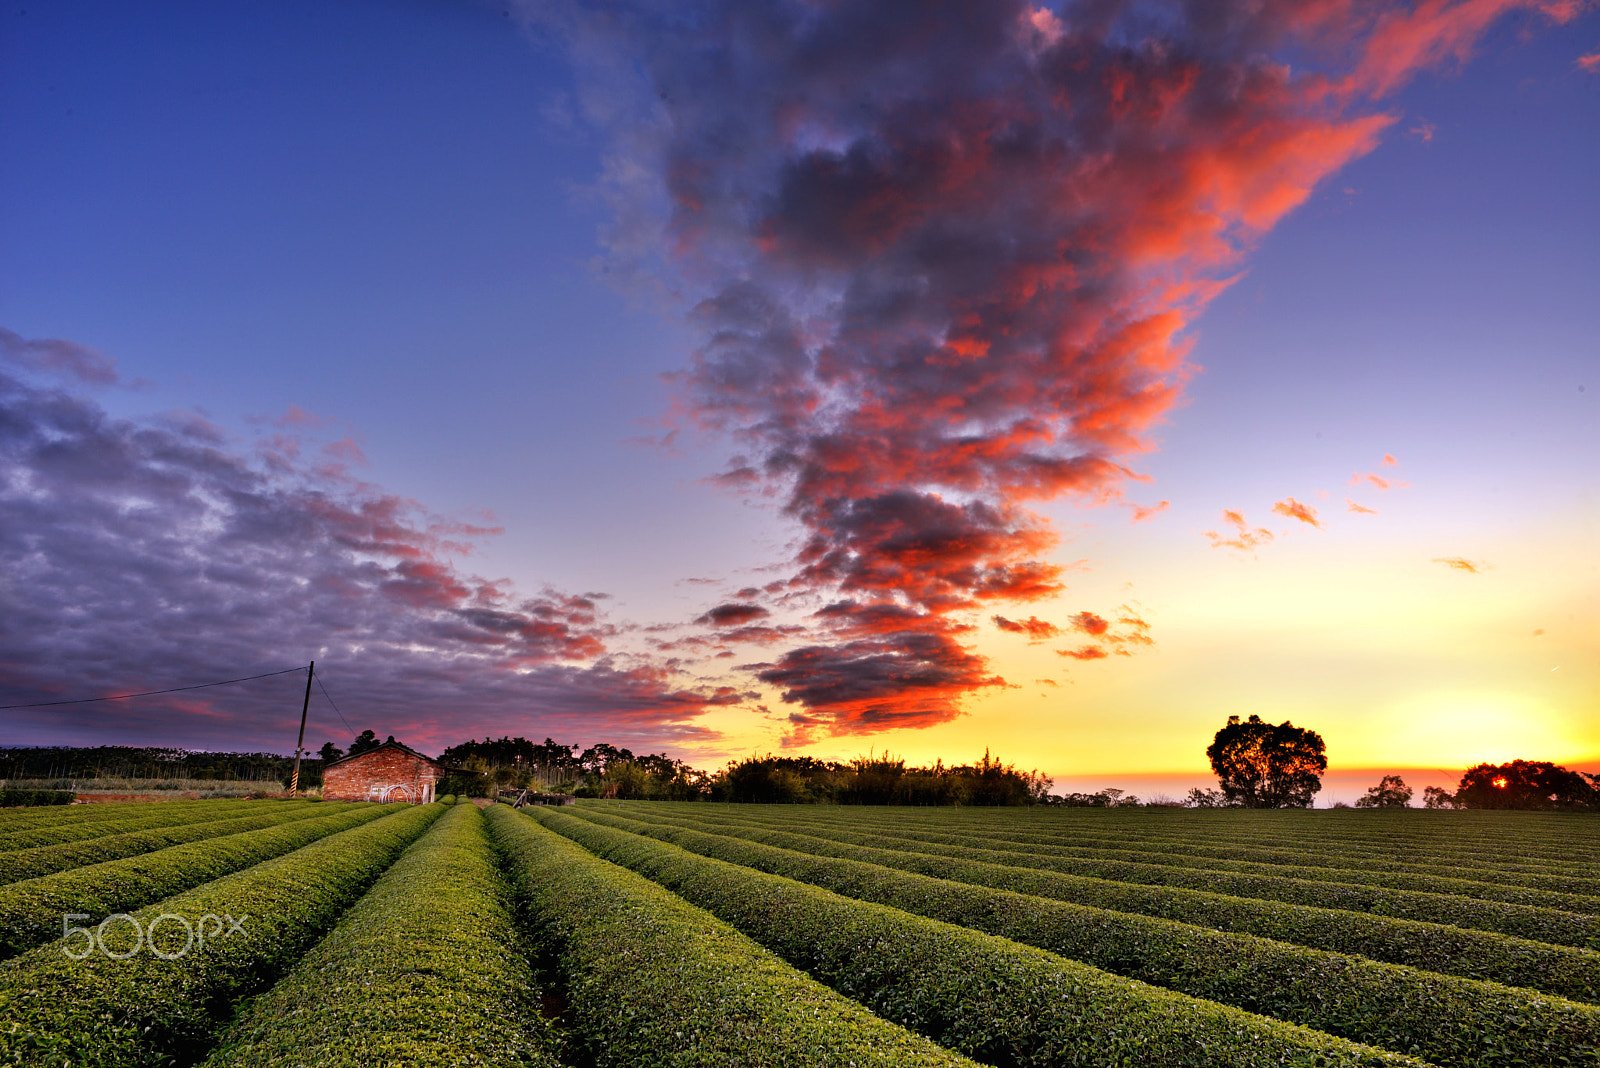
(1345, 863)
(1563, 841)
(425, 969)
(1447, 1020)
(1560, 970)
(1538, 923)
(12, 798)
(991, 998)
(31, 911)
(652, 980)
(47, 860)
(136, 817)
(147, 1009)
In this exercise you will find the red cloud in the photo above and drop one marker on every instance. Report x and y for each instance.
(1141, 513)
(1084, 652)
(1090, 624)
(1590, 63)
(1244, 538)
(1295, 510)
(934, 288)
(1362, 509)
(1461, 563)
(1389, 461)
(1034, 627)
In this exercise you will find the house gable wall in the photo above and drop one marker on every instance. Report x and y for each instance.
(381, 775)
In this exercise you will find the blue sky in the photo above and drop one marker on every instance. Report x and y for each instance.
(390, 216)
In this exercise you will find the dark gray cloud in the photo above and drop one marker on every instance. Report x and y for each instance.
(142, 555)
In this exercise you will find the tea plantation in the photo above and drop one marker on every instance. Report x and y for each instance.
(615, 934)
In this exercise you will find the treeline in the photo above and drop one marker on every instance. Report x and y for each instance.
(148, 762)
(605, 770)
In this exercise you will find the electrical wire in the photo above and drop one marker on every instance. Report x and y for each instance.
(336, 711)
(152, 693)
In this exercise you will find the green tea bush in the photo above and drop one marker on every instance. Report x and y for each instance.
(654, 981)
(426, 968)
(1447, 1020)
(31, 911)
(166, 815)
(996, 1000)
(46, 860)
(10, 798)
(1538, 923)
(103, 1012)
(1560, 970)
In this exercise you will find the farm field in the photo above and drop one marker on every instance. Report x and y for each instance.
(627, 933)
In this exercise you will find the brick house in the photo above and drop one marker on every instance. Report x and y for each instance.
(391, 772)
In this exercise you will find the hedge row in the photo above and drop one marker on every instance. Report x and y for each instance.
(1538, 924)
(426, 968)
(651, 980)
(20, 798)
(46, 860)
(1466, 837)
(1355, 862)
(1240, 872)
(35, 818)
(101, 1012)
(31, 911)
(1447, 1020)
(1560, 970)
(162, 816)
(993, 999)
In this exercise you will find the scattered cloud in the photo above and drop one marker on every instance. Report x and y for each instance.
(1422, 131)
(1244, 537)
(1090, 624)
(1084, 652)
(1361, 509)
(63, 359)
(1461, 563)
(1141, 513)
(1035, 628)
(1295, 510)
(1539, 632)
(733, 615)
(1589, 64)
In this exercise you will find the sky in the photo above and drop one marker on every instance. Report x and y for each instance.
(729, 378)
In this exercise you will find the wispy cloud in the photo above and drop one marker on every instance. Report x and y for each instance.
(1461, 563)
(1244, 537)
(58, 357)
(1035, 628)
(1360, 509)
(1295, 510)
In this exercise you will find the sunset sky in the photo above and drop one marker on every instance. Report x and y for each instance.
(719, 378)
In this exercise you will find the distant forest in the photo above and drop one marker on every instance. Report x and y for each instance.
(608, 771)
(149, 762)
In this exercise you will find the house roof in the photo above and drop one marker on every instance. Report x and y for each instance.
(389, 745)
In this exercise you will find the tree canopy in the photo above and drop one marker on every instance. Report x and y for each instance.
(1261, 765)
(1391, 792)
(1524, 784)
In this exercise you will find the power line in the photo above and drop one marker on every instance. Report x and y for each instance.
(152, 693)
(336, 711)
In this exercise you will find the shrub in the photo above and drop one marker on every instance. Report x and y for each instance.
(653, 980)
(101, 1012)
(989, 997)
(429, 960)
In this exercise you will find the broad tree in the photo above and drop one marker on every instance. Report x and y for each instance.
(1525, 784)
(1260, 765)
(1391, 792)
